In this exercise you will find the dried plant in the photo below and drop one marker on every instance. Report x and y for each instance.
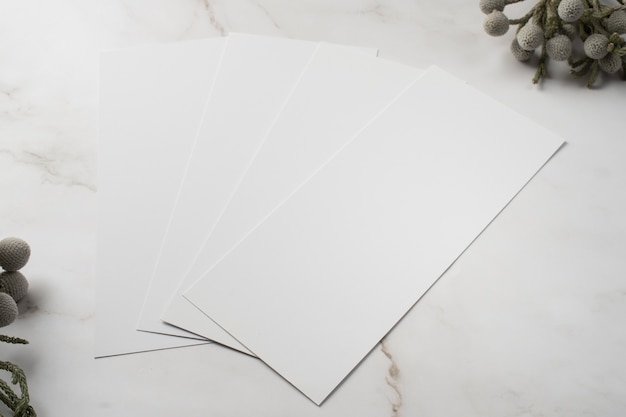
(588, 34)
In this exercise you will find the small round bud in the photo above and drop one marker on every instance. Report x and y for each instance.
(496, 23)
(616, 22)
(14, 284)
(559, 47)
(530, 37)
(14, 253)
(570, 10)
(520, 53)
(610, 63)
(570, 31)
(595, 46)
(488, 6)
(8, 310)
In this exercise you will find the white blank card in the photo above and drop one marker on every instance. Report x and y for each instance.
(317, 285)
(151, 101)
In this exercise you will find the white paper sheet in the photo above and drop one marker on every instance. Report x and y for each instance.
(255, 77)
(316, 286)
(151, 101)
(337, 95)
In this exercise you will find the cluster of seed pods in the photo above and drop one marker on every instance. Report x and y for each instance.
(563, 29)
(14, 254)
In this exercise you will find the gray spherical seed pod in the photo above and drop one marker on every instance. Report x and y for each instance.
(520, 53)
(14, 253)
(14, 284)
(616, 22)
(595, 46)
(559, 47)
(570, 31)
(488, 6)
(570, 10)
(496, 23)
(530, 37)
(8, 310)
(610, 63)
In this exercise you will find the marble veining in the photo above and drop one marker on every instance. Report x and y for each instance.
(11, 106)
(392, 379)
(51, 168)
(267, 13)
(215, 23)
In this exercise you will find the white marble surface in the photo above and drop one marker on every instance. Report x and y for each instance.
(536, 331)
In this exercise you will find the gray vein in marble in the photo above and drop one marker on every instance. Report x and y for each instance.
(192, 22)
(267, 14)
(376, 10)
(9, 92)
(213, 18)
(383, 13)
(48, 166)
(392, 379)
(12, 106)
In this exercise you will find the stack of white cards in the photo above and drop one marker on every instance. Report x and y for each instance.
(284, 198)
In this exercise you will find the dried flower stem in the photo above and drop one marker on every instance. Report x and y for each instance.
(19, 405)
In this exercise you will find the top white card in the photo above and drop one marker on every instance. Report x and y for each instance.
(317, 285)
